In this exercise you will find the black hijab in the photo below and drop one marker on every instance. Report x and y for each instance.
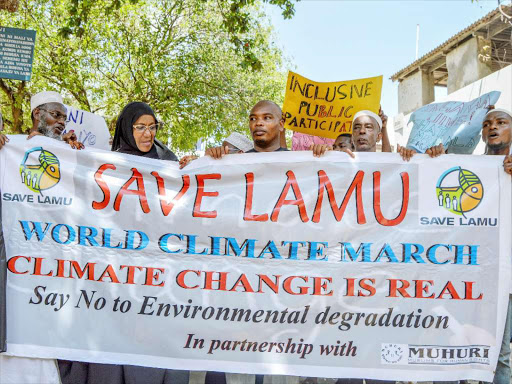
(124, 141)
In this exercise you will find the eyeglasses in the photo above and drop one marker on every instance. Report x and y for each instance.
(56, 114)
(141, 128)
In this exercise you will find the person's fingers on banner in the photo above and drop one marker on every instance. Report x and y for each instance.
(76, 144)
(320, 149)
(3, 140)
(217, 152)
(405, 152)
(435, 151)
(507, 164)
(348, 152)
(185, 160)
(69, 136)
(72, 140)
(32, 134)
(212, 152)
(491, 107)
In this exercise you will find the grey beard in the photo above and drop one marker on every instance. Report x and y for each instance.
(46, 131)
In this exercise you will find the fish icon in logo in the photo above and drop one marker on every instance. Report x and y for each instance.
(43, 174)
(459, 190)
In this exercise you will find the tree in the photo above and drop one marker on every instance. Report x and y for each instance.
(175, 55)
(236, 17)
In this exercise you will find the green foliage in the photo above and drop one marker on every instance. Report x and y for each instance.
(176, 55)
(236, 15)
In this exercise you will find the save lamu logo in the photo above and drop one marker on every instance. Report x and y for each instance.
(40, 170)
(459, 191)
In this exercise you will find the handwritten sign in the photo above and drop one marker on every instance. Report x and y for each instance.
(90, 129)
(456, 124)
(16, 53)
(327, 109)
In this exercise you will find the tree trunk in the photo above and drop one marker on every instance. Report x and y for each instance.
(15, 98)
(9, 5)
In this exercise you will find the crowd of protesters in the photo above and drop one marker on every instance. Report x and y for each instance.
(135, 133)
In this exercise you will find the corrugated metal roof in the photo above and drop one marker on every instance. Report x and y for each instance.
(453, 40)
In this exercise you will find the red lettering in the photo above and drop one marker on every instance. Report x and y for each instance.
(469, 291)
(376, 200)
(370, 289)
(421, 288)
(201, 193)
(89, 267)
(350, 286)
(274, 286)
(394, 289)
(449, 288)
(60, 268)
(140, 191)
(244, 283)
(165, 204)
(11, 264)
(249, 188)
(180, 279)
(320, 286)
(110, 273)
(98, 177)
(325, 183)
(287, 285)
(209, 280)
(130, 275)
(37, 267)
(299, 201)
(152, 276)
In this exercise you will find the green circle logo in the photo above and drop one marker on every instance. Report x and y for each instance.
(41, 171)
(459, 190)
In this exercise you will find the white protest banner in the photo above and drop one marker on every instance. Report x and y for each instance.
(455, 124)
(275, 263)
(90, 129)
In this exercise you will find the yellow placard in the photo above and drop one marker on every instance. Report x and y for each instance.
(326, 109)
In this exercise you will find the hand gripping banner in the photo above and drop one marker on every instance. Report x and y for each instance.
(276, 263)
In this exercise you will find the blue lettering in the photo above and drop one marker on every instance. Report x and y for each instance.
(317, 249)
(248, 245)
(431, 253)
(90, 237)
(163, 243)
(364, 248)
(473, 254)
(416, 254)
(386, 251)
(272, 249)
(56, 234)
(36, 228)
(144, 240)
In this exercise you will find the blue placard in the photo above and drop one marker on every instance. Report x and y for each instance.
(456, 124)
(16, 53)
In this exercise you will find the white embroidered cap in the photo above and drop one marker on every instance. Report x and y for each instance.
(240, 141)
(368, 113)
(499, 110)
(45, 97)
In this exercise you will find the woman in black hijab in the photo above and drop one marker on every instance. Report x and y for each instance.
(135, 134)
(136, 129)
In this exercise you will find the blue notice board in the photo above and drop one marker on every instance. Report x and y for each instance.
(16, 53)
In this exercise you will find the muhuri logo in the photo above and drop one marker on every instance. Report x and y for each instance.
(40, 170)
(459, 190)
(448, 355)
